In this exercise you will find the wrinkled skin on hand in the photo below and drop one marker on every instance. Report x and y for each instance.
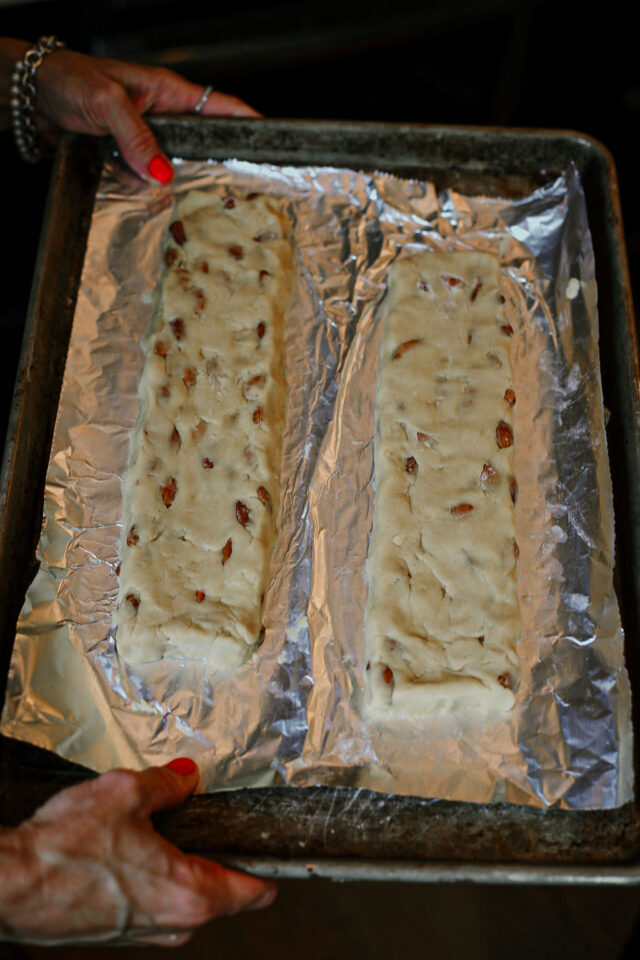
(88, 866)
(86, 94)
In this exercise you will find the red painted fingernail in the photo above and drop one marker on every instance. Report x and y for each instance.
(160, 169)
(183, 765)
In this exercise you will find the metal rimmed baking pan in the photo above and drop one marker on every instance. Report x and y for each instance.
(338, 832)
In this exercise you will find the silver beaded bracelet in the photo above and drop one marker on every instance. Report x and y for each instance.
(23, 98)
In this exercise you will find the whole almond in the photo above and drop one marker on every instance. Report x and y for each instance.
(177, 232)
(242, 513)
(264, 498)
(504, 435)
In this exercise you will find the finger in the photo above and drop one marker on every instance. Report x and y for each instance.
(137, 143)
(169, 786)
(146, 791)
(194, 891)
(129, 792)
(158, 90)
(227, 890)
(222, 105)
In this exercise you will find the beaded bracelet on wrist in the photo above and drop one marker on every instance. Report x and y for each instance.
(23, 97)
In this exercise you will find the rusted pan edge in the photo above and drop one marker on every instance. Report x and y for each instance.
(39, 377)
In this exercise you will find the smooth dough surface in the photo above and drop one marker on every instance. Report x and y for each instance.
(201, 491)
(442, 618)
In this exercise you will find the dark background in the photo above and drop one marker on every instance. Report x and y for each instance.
(534, 63)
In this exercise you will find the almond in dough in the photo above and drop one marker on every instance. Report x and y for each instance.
(442, 618)
(201, 491)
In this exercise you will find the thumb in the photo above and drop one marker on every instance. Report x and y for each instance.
(138, 146)
(160, 788)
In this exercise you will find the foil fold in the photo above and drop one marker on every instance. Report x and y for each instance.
(292, 714)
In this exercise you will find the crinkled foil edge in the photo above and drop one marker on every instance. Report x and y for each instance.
(292, 714)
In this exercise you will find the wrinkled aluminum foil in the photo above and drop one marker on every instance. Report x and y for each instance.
(291, 715)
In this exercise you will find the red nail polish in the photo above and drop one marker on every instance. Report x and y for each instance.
(182, 765)
(160, 169)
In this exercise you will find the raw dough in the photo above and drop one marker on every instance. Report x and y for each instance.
(442, 613)
(201, 492)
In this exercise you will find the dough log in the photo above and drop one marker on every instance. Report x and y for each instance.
(442, 618)
(201, 491)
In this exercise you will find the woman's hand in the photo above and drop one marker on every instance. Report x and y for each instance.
(86, 94)
(88, 866)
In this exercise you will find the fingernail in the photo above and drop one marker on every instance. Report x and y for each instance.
(160, 169)
(182, 765)
(266, 899)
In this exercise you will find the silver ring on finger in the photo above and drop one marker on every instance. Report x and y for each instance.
(203, 99)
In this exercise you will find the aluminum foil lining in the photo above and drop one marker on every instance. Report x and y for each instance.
(291, 714)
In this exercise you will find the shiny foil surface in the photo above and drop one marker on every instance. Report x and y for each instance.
(293, 713)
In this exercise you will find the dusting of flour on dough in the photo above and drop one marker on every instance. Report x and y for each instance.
(201, 491)
(442, 618)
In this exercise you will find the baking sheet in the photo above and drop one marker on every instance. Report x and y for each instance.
(304, 726)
